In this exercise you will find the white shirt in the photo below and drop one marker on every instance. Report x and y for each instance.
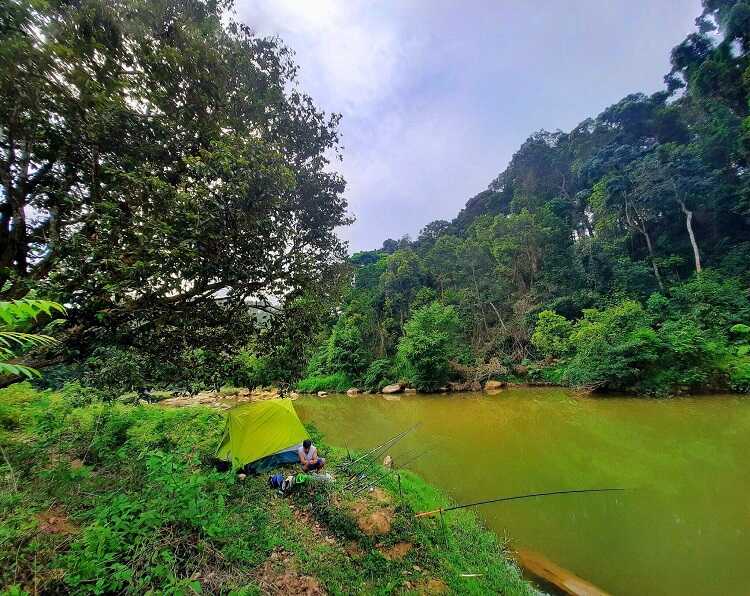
(310, 455)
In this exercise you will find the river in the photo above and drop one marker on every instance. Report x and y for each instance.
(684, 528)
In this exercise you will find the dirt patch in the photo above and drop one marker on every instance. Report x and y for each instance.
(379, 495)
(432, 586)
(377, 523)
(396, 552)
(305, 517)
(374, 514)
(354, 550)
(279, 575)
(55, 521)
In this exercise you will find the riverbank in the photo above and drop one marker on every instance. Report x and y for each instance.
(100, 497)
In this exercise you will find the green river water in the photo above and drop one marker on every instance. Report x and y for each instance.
(683, 529)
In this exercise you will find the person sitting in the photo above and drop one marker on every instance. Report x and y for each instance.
(308, 457)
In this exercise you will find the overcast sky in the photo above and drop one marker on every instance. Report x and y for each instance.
(437, 95)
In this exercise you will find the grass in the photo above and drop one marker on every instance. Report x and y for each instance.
(337, 382)
(102, 497)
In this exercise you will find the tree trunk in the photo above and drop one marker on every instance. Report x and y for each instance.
(689, 224)
(653, 258)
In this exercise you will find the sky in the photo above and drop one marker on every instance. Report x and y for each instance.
(437, 95)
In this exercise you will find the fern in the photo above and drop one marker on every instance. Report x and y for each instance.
(19, 314)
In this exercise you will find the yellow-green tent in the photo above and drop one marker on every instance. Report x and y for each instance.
(264, 434)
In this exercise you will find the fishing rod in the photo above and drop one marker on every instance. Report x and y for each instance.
(389, 472)
(393, 440)
(370, 467)
(364, 473)
(381, 446)
(517, 497)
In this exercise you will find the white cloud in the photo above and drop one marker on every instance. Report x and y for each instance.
(437, 95)
(349, 60)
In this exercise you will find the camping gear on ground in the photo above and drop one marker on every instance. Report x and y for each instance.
(261, 435)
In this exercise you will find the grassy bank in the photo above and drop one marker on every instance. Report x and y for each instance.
(101, 498)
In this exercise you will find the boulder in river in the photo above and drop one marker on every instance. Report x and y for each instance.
(322, 393)
(410, 390)
(395, 388)
(353, 391)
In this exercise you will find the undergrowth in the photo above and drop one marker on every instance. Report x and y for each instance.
(100, 497)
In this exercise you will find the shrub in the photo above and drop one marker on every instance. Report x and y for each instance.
(378, 374)
(78, 395)
(115, 370)
(613, 347)
(430, 340)
(251, 370)
(552, 334)
(338, 382)
(739, 374)
(346, 349)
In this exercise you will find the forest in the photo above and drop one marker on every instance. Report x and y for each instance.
(167, 181)
(612, 257)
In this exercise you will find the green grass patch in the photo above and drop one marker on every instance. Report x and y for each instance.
(338, 382)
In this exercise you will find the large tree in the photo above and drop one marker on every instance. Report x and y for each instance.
(159, 163)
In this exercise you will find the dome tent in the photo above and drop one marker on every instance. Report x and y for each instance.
(261, 435)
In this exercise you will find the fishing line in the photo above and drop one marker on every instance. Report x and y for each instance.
(517, 497)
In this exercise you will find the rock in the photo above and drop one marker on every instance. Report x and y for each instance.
(395, 388)
(241, 476)
(388, 462)
(463, 387)
(293, 395)
(353, 391)
(322, 393)
(493, 385)
(410, 390)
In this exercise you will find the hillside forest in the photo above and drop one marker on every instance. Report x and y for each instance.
(168, 182)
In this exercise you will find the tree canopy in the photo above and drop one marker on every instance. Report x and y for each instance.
(160, 167)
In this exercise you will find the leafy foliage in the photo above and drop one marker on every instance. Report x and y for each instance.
(428, 345)
(17, 316)
(179, 179)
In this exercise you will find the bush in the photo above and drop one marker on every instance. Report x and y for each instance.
(378, 375)
(430, 340)
(115, 370)
(612, 347)
(78, 395)
(251, 370)
(338, 382)
(552, 334)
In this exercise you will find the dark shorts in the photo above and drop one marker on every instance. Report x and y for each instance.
(317, 465)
